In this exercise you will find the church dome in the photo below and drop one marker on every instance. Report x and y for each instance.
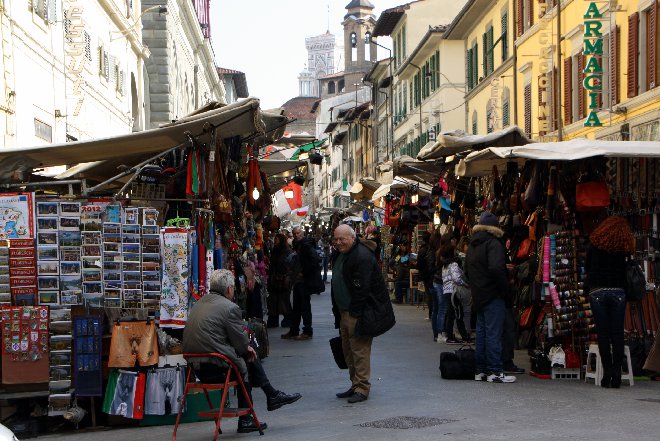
(360, 4)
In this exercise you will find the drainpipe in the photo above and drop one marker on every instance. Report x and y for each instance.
(558, 88)
(515, 62)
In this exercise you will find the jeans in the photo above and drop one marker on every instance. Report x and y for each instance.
(302, 309)
(490, 325)
(399, 287)
(441, 310)
(609, 308)
(452, 316)
(433, 306)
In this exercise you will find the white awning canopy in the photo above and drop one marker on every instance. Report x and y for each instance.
(481, 163)
(238, 119)
(458, 141)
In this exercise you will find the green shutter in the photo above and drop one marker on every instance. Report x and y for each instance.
(470, 80)
(505, 36)
(491, 51)
(484, 54)
(505, 113)
(475, 63)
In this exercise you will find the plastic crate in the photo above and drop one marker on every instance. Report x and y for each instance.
(566, 374)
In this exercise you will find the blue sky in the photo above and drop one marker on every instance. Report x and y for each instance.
(266, 39)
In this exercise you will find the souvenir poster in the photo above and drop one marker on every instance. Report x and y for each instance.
(174, 294)
(16, 216)
(25, 336)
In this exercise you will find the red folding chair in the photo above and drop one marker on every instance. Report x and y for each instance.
(233, 378)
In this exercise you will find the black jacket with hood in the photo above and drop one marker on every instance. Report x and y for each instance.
(363, 278)
(309, 263)
(485, 266)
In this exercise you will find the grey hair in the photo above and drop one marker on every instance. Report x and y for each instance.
(351, 232)
(221, 280)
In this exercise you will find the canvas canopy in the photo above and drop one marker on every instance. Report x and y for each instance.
(458, 141)
(481, 163)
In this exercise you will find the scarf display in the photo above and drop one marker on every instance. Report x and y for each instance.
(174, 292)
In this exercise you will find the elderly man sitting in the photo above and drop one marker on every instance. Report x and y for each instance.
(215, 325)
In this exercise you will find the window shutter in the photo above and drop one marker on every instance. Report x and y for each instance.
(633, 48)
(88, 46)
(468, 57)
(580, 86)
(520, 18)
(505, 113)
(652, 45)
(568, 90)
(484, 55)
(475, 64)
(491, 51)
(505, 36)
(530, 13)
(528, 110)
(51, 12)
(614, 64)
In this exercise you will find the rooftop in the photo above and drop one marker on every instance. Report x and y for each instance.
(360, 4)
(389, 18)
(240, 82)
(300, 108)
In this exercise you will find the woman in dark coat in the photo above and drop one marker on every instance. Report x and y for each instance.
(279, 281)
(611, 243)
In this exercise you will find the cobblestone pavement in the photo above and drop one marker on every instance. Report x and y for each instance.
(409, 400)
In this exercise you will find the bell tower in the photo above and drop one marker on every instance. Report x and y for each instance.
(359, 56)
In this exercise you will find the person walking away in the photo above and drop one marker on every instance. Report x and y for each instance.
(402, 269)
(324, 245)
(356, 276)
(611, 243)
(279, 283)
(489, 285)
(422, 267)
(215, 325)
(442, 300)
(306, 281)
(452, 280)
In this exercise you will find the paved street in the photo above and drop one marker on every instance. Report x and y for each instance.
(406, 383)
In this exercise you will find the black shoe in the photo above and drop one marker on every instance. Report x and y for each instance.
(606, 381)
(347, 394)
(513, 369)
(616, 382)
(246, 424)
(453, 341)
(357, 397)
(281, 399)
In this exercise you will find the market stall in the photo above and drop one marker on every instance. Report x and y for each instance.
(102, 265)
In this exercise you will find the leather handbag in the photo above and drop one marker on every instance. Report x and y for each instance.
(524, 249)
(591, 196)
(635, 281)
(458, 365)
(338, 352)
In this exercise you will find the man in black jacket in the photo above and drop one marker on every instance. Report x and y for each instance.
(356, 277)
(485, 267)
(306, 281)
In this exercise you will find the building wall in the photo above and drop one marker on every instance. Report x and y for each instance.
(181, 70)
(623, 115)
(68, 92)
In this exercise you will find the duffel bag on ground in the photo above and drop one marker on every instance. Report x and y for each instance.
(458, 365)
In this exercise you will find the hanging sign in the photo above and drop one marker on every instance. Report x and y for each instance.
(593, 69)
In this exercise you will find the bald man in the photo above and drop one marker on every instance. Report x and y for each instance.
(356, 276)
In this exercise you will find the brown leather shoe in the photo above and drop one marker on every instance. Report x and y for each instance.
(289, 336)
(303, 337)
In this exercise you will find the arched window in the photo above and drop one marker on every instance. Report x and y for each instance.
(331, 87)
(340, 86)
(474, 122)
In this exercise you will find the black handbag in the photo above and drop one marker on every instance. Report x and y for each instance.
(635, 282)
(338, 352)
(458, 365)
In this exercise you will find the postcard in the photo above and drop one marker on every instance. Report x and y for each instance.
(47, 209)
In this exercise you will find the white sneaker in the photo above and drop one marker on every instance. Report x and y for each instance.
(480, 377)
(501, 378)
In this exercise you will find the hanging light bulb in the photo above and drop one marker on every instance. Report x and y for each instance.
(255, 193)
(436, 218)
(288, 194)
